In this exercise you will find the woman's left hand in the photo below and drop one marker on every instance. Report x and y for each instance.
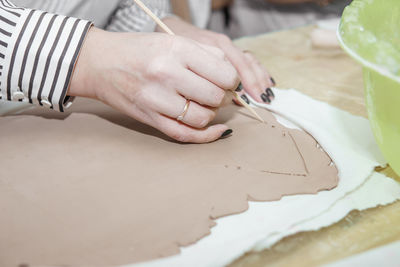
(254, 77)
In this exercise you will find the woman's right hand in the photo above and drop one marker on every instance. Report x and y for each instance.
(150, 76)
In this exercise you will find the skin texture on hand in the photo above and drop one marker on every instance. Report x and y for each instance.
(150, 76)
(254, 77)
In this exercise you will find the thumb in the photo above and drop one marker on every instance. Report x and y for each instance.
(186, 134)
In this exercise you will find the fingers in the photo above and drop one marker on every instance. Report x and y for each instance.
(207, 63)
(197, 116)
(195, 88)
(174, 129)
(254, 77)
(244, 68)
(263, 79)
(179, 131)
(186, 134)
(172, 105)
(242, 95)
(214, 50)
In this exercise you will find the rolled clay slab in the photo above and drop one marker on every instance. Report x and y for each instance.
(96, 188)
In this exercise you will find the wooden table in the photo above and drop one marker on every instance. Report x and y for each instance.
(328, 75)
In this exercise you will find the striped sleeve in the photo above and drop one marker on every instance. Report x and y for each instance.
(130, 18)
(38, 52)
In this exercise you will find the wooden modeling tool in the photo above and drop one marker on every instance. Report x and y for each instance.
(237, 96)
(170, 32)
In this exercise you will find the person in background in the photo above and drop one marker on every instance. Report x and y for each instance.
(172, 83)
(253, 17)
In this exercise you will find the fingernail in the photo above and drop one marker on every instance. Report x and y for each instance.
(265, 98)
(244, 97)
(269, 92)
(239, 88)
(273, 81)
(226, 133)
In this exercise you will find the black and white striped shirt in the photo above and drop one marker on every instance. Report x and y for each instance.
(39, 50)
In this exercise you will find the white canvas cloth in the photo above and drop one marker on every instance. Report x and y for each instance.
(348, 140)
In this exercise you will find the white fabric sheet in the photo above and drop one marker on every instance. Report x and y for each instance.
(348, 140)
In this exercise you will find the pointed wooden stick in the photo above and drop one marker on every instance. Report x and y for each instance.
(154, 17)
(244, 103)
(170, 32)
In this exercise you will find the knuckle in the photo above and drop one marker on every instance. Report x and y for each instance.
(134, 96)
(211, 116)
(219, 98)
(203, 123)
(142, 98)
(158, 69)
(216, 98)
(180, 44)
(232, 78)
(205, 119)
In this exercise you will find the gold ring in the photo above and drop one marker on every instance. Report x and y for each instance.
(185, 110)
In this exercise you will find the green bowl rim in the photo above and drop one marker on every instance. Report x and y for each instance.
(364, 62)
(354, 8)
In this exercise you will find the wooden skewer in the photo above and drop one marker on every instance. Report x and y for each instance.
(154, 17)
(170, 32)
(237, 96)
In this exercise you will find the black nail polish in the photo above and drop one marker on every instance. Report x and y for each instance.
(244, 97)
(226, 133)
(265, 98)
(239, 88)
(269, 93)
(273, 81)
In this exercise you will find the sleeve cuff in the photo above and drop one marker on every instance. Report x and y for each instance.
(40, 58)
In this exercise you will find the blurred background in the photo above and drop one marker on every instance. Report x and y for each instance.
(237, 18)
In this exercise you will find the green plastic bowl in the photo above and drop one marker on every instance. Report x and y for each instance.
(370, 33)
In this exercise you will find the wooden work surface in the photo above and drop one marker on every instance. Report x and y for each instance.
(328, 75)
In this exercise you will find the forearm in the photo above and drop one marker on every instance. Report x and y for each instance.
(38, 52)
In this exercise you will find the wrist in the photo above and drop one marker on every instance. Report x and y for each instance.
(81, 84)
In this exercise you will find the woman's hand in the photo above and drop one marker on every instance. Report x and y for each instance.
(150, 76)
(254, 77)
